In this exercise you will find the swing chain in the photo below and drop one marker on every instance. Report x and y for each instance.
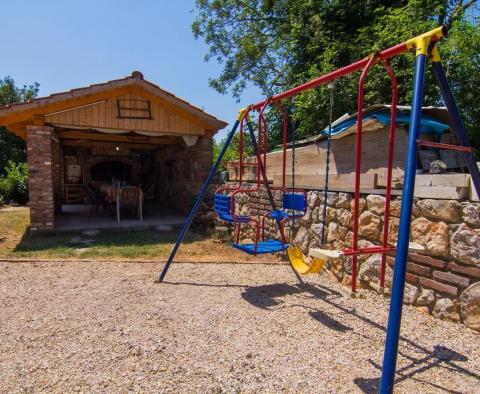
(331, 88)
(294, 137)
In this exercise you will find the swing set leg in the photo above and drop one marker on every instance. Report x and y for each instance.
(198, 201)
(398, 285)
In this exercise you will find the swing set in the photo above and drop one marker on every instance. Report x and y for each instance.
(293, 200)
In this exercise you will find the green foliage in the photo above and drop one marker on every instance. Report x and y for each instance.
(12, 148)
(14, 185)
(232, 152)
(279, 44)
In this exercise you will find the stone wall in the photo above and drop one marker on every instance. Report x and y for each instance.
(181, 172)
(40, 147)
(57, 166)
(444, 280)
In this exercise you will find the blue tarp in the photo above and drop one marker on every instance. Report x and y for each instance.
(428, 124)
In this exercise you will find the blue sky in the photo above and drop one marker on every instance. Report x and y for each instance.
(69, 44)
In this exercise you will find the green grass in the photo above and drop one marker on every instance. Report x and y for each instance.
(18, 242)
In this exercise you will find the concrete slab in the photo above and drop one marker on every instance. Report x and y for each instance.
(75, 218)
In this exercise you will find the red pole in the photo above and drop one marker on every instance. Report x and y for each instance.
(391, 147)
(358, 65)
(358, 165)
(284, 140)
(240, 154)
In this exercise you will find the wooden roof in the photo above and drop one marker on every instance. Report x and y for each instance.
(95, 107)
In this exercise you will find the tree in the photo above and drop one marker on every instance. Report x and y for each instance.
(12, 148)
(232, 152)
(278, 44)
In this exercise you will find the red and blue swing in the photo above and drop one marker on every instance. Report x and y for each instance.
(293, 201)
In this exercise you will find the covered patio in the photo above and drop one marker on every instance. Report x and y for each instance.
(120, 154)
(75, 217)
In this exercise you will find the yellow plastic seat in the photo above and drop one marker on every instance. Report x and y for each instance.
(302, 264)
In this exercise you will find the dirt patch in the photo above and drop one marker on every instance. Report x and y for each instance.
(106, 327)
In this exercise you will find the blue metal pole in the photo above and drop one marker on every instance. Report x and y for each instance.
(398, 286)
(459, 126)
(198, 201)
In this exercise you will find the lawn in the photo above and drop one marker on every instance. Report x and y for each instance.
(17, 242)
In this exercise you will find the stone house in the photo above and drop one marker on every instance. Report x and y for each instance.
(128, 130)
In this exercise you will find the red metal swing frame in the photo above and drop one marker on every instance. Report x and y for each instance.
(364, 65)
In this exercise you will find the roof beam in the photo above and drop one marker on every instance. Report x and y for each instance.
(84, 135)
(104, 144)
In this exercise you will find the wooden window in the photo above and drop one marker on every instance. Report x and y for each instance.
(134, 109)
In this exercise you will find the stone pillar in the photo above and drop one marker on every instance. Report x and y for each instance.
(41, 190)
(57, 166)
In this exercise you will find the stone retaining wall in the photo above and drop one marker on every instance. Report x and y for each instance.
(443, 281)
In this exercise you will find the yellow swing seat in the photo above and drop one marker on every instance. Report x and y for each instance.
(302, 264)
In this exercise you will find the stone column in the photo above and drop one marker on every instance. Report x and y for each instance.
(41, 190)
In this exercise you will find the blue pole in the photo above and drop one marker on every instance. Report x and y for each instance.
(459, 126)
(398, 286)
(198, 201)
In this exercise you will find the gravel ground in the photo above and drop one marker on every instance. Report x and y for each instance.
(106, 327)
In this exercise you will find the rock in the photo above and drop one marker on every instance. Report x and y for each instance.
(344, 217)
(369, 225)
(393, 230)
(470, 306)
(306, 220)
(362, 205)
(425, 298)
(330, 216)
(445, 309)
(437, 167)
(337, 269)
(471, 214)
(332, 198)
(164, 228)
(336, 232)
(315, 215)
(315, 242)
(348, 239)
(370, 271)
(344, 200)
(317, 230)
(363, 243)
(302, 239)
(434, 236)
(423, 309)
(90, 233)
(376, 204)
(395, 207)
(446, 210)
(466, 245)
(410, 294)
(312, 198)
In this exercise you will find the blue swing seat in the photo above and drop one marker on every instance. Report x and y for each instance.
(263, 247)
(292, 201)
(222, 206)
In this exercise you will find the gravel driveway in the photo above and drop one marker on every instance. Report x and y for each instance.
(106, 327)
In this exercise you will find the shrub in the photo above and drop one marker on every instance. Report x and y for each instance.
(14, 185)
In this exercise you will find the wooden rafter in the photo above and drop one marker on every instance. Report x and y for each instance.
(95, 136)
(112, 144)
